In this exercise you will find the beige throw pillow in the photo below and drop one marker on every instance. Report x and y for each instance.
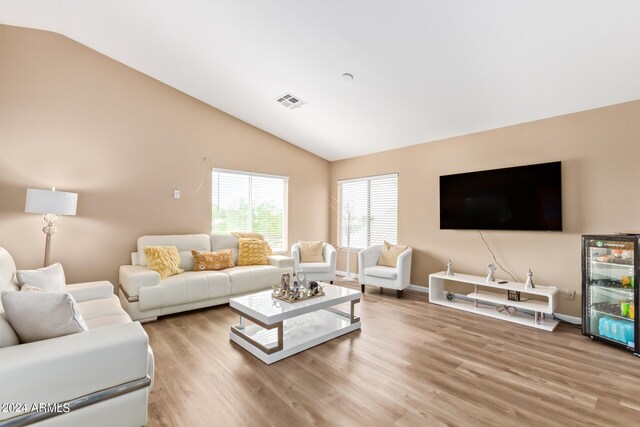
(39, 316)
(163, 259)
(252, 235)
(311, 251)
(390, 254)
(49, 279)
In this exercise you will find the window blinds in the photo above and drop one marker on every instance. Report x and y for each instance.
(243, 201)
(372, 204)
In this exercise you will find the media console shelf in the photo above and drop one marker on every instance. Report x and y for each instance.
(437, 295)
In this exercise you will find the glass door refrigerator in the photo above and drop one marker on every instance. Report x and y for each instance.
(610, 268)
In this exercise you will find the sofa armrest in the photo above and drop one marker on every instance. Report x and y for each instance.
(134, 277)
(368, 258)
(90, 290)
(72, 366)
(330, 255)
(403, 266)
(280, 261)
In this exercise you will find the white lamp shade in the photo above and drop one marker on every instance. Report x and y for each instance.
(51, 202)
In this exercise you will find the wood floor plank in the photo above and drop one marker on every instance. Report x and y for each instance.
(411, 364)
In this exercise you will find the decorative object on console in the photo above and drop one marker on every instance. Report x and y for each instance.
(449, 269)
(529, 283)
(299, 291)
(50, 203)
(513, 295)
(490, 270)
(451, 296)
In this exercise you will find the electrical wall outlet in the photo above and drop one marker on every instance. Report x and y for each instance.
(176, 194)
(570, 294)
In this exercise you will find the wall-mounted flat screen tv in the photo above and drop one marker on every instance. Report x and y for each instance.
(518, 198)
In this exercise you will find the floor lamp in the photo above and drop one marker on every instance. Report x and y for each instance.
(50, 203)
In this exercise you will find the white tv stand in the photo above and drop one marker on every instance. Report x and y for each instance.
(437, 295)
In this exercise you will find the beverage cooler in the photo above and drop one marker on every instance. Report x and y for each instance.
(609, 294)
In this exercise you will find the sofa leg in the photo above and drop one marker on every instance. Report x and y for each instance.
(399, 294)
(362, 288)
(148, 320)
(331, 282)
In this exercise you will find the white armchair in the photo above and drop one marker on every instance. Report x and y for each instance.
(370, 273)
(319, 271)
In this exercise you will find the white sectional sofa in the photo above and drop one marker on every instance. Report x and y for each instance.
(104, 374)
(145, 297)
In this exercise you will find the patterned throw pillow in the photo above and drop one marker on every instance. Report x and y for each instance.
(163, 259)
(390, 254)
(252, 252)
(212, 260)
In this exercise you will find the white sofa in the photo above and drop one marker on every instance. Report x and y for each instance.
(104, 374)
(145, 297)
(370, 273)
(319, 271)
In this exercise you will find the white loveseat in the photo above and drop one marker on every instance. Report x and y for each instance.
(104, 374)
(145, 297)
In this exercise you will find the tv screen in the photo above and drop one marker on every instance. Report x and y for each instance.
(518, 198)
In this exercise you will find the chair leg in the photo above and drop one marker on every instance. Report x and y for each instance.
(381, 288)
(362, 288)
(331, 282)
(399, 294)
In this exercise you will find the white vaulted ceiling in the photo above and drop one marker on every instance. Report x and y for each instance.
(424, 70)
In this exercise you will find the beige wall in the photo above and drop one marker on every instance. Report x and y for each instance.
(75, 119)
(599, 150)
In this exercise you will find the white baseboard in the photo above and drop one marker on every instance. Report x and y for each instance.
(417, 288)
(344, 273)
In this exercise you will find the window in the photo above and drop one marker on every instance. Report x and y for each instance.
(372, 205)
(244, 201)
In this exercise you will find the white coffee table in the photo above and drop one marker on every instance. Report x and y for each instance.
(279, 329)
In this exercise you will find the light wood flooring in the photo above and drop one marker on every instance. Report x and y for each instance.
(412, 363)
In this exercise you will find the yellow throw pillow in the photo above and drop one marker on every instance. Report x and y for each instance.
(212, 260)
(390, 254)
(252, 235)
(252, 252)
(311, 251)
(163, 259)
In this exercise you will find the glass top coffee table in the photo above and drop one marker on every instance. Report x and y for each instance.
(280, 329)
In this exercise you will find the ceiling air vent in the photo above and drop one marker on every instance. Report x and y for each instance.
(290, 101)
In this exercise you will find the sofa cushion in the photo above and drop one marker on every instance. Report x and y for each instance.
(184, 242)
(218, 260)
(315, 267)
(34, 316)
(49, 279)
(163, 259)
(382, 272)
(254, 277)
(252, 252)
(103, 312)
(8, 336)
(184, 288)
(225, 241)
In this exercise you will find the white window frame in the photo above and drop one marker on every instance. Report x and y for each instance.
(285, 219)
(341, 213)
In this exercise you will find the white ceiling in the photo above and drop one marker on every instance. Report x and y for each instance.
(424, 70)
